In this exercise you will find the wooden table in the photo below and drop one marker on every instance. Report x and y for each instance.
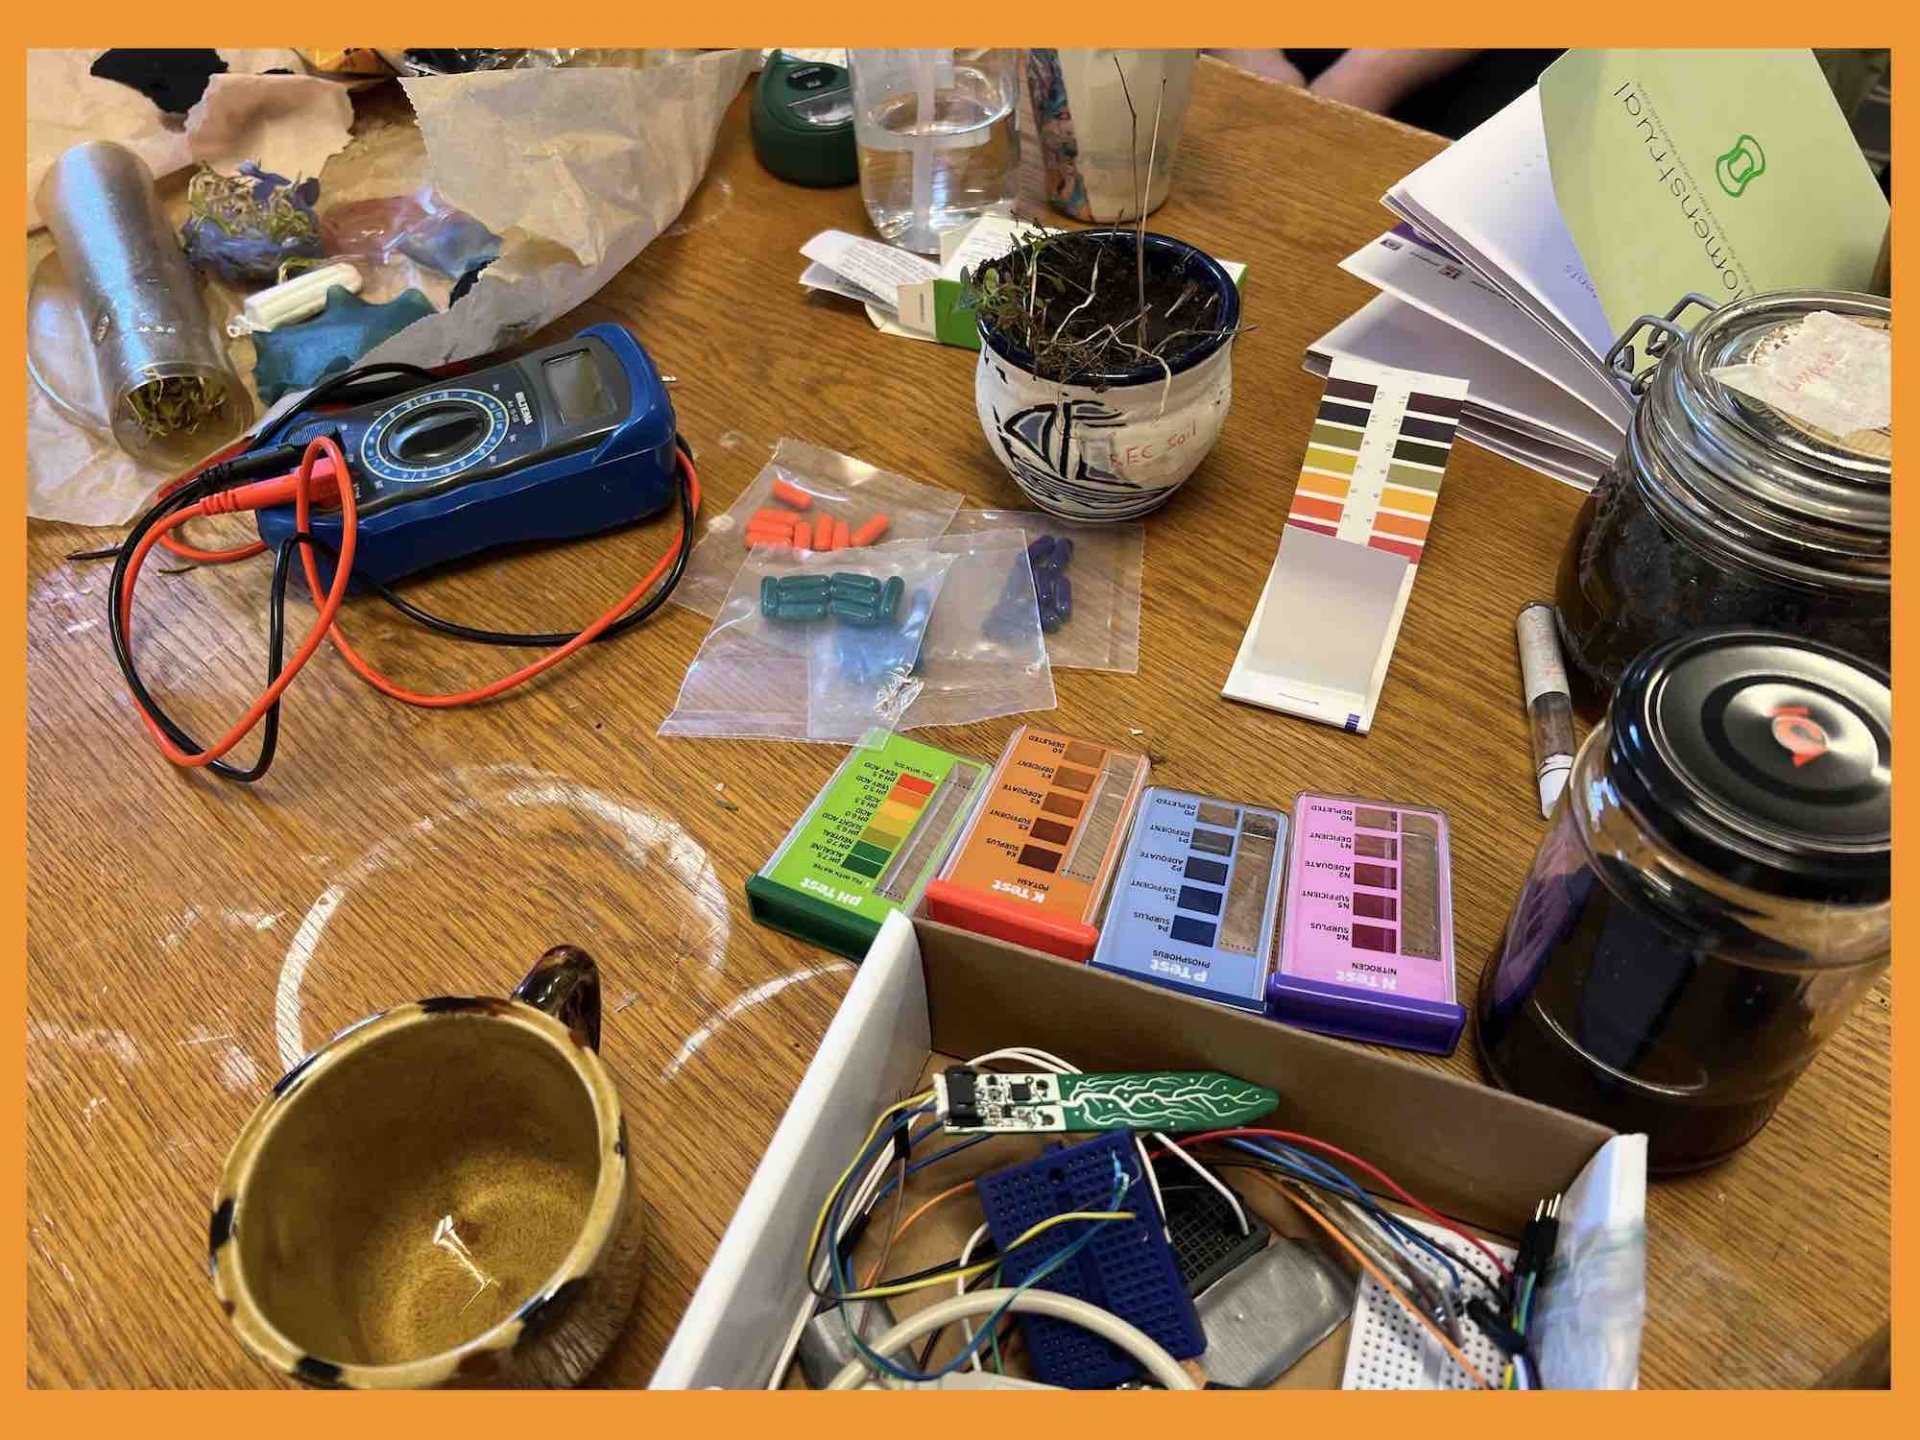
(187, 937)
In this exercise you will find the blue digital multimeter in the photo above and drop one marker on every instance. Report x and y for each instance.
(565, 441)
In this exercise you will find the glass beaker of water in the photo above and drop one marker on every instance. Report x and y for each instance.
(935, 134)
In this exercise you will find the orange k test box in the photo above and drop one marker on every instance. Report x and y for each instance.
(1034, 865)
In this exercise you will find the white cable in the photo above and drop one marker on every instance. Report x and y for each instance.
(1104, 1323)
(1246, 1227)
(778, 1378)
(960, 1288)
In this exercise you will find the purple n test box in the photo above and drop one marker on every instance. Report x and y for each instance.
(1367, 949)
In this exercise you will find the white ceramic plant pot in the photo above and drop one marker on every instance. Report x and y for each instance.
(1110, 446)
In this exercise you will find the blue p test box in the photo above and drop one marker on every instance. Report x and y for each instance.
(1198, 898)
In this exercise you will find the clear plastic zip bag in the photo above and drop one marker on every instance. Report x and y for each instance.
(984, 654)
(802, 488)
(812, 646)
(1086, 581)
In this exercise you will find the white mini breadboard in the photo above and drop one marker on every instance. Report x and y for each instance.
(1387, 1349)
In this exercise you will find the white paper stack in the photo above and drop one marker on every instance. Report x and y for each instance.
(908, 294)
(864, 270)
(1482, 279)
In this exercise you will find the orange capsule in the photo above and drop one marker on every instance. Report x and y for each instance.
(841, 539)
(874, 527)
(825, 533)
(784, 519)
(790, 494)
(802, 534)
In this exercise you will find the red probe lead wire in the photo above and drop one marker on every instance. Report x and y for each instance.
(302, 483)
(179, 544)
(526, 672)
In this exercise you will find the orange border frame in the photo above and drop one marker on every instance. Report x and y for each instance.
(1134, 22)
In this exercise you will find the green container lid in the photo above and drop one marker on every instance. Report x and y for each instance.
(828, 926)
(803, 121)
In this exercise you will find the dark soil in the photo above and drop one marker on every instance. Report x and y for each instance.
(1068, 333)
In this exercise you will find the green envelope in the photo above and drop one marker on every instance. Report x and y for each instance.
(1722, 172)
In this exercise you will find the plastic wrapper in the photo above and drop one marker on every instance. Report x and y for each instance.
(421, 227)
(1587, 1328)
(830, 676)
(1100, 566)
(836, 486)
(984, 655)
(160, 380)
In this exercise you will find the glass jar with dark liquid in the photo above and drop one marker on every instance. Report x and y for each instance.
(1712, 896)
(1724, 510)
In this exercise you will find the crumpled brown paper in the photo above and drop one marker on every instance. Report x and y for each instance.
(289, 123)
(576, 169)
(67, 105)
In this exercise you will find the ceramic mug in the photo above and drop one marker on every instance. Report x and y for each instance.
(439, 1195)
(1114, 445)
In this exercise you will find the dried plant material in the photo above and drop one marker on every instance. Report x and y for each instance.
(248, 226)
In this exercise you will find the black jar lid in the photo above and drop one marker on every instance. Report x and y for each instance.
(1764, 757)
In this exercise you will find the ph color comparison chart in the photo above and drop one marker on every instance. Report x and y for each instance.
(1323, 633)
(1376, 456)
(868, 843)
(1197, 898)
(1036, 862)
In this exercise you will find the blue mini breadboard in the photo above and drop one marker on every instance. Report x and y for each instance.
(1128, 1268)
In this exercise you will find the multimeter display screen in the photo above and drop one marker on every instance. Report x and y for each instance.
(575, 382)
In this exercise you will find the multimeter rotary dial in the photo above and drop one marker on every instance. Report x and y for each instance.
(434, 435)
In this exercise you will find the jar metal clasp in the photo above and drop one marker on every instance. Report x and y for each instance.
(1661, 333)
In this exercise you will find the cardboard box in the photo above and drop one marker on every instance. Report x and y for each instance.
(928, 995)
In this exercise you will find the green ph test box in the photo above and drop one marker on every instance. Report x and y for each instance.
(868, 844)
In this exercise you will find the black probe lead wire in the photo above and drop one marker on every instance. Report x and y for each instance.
(347, 389)
(196, 490)
(343, 388)
(276, 646)
(473, 635)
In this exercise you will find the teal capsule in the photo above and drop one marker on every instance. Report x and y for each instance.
(858, 611)
(804, 608)
(890, 596)
(804, 584)
(848, 582)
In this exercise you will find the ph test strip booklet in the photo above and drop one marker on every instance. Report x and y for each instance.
(1323, 633)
